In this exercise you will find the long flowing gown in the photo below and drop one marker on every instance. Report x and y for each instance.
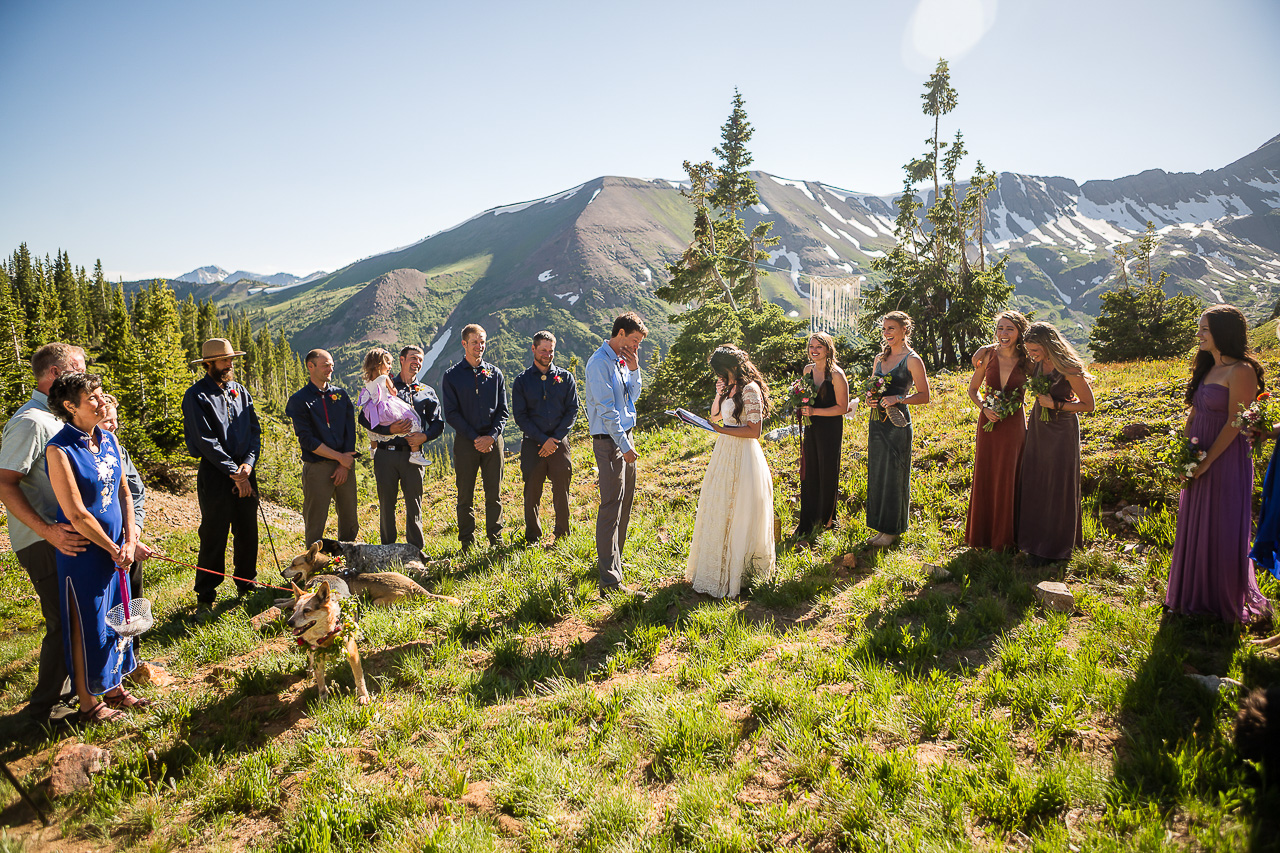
(1266, 542)
(733, 531)
(997, 463)
(1049, 522)
(1210, 570)
(821, 449)
(89, 581)
(889, 458)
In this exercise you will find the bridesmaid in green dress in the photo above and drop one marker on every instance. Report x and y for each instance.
(889, 433)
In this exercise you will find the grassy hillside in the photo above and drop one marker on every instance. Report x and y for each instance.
(832, 708)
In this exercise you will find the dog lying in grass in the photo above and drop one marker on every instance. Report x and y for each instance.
(360, 568)
(318, 623)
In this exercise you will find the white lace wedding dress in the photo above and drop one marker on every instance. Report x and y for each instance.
(733, 531)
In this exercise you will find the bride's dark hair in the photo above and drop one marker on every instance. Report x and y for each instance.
(734, 365)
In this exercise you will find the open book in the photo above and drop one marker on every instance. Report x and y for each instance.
(691, 419)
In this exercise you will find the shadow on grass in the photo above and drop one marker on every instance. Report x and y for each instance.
(954, 623)
(1174, 751)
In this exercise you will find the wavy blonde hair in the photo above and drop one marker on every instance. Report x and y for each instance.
(374, 359)
(1061, 353)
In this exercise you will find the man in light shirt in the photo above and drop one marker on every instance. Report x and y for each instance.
(32, 506)
(613, 385)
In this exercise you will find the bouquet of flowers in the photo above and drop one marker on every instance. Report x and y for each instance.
(999, 402)
(1260, 416)
(1183, 455)
(876, 386)
(1035, 386)
(803, 393)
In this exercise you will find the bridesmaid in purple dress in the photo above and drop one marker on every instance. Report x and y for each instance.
(1211, 572)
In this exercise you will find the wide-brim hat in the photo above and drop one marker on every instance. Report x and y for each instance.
(214, 349)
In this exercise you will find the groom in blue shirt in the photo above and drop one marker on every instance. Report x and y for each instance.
(613, 385)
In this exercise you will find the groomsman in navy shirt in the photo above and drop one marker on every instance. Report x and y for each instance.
(544, 401)
(475, 405)
(325, 422)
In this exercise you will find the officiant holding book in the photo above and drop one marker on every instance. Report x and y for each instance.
(733, 531)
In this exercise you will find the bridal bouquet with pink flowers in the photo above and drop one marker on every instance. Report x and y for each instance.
(1183, 455)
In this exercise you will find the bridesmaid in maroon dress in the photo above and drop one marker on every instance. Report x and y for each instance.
(1210, 571)
(997, 456)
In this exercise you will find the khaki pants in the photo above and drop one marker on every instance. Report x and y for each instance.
(317, 492)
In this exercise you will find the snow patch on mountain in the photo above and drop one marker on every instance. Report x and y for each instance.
(546, 275)
(793, 259)
(831, 252)
(760, 209)
(845, 234)
(433, 353)
(797, 184)
(825, 227)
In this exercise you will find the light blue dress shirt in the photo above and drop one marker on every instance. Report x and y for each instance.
(612, 391)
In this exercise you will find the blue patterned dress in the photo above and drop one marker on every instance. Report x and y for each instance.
(89, 581)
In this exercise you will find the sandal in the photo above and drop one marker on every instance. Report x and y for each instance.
(125, 701)
(100, 713)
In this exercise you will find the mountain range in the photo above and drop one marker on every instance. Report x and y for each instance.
(571, 261)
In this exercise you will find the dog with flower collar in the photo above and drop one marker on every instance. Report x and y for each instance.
(321, 627)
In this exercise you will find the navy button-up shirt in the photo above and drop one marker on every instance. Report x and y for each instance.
(424, 402)
(221, 425)
(544, 405)
(475, 399)
(322, 417)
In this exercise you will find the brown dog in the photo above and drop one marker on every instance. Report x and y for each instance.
(319, 626)
(383, 588)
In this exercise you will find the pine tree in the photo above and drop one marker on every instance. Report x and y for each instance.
(1137, 320)
(121, 362)
(929, 273)
(717, 276)
(16, 381)
(163, 369)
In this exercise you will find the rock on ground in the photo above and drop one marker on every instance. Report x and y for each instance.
(1055, 596)
(73, 766)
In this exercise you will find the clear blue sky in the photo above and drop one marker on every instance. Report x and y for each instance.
(293, 136)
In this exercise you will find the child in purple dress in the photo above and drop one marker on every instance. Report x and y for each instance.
(379, 402)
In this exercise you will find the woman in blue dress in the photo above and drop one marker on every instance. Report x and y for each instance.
(84, 468)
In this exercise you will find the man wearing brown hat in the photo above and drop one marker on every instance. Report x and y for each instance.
(221, 428)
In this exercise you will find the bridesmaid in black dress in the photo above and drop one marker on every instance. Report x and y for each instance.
(822, 439)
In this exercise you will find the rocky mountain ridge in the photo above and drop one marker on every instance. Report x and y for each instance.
(571, 261)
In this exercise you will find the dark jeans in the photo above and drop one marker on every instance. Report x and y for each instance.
(467, 461)
(393, 473)
(558, 468)
(53, 682)
(617, 491)
(221, 512)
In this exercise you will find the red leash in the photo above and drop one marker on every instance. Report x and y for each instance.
(156, 556)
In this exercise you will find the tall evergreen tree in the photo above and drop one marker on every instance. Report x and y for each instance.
(929, 272)
(16, 381)
(717, 276)
(164, 372)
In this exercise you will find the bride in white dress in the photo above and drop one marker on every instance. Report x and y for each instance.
(733, 531)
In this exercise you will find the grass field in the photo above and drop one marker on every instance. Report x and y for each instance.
(873, 708)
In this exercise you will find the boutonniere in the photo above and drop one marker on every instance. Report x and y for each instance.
(233, 393)
(559, 379)
(484, 373)
(417, 387)
(333, 397)
(622, 362)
